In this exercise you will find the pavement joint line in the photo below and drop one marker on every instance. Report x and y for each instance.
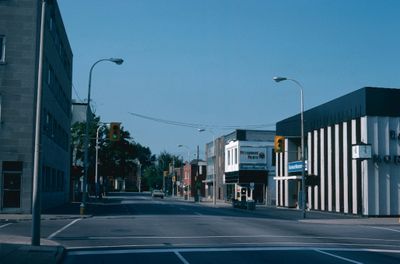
(91, 251)
(337, 256)
(63, 228)
(309, 245)
(239, 236)
(2, 226)
(385, 228)
(184, 261)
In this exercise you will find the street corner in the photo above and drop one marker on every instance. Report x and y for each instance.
(18, 254)
(18, 249)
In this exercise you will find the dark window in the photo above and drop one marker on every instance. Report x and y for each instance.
(273, 157)
(2, 48)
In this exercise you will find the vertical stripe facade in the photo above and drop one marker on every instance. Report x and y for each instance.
(345, 185)
(336, 169)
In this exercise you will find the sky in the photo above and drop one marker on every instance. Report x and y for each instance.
(211, 62)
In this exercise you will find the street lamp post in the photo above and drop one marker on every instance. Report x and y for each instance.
(303, 183)
(188, 149)
(97, 161)
(117, 61)
(36, 181)
(215, 163)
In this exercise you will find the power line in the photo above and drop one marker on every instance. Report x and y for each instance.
(199, 125)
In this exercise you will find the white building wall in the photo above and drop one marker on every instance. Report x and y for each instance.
(381, 176)
(315, 169)
(370, 187)
(337, 168)
(285, 173)
(323, 169)
(330, 169)
(354, 169)
(346, 145)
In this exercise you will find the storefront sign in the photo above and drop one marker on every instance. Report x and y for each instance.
(296, 166)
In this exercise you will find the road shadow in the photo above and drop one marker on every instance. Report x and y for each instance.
(131, 204)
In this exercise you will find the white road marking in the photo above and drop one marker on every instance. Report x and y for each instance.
(88, 251)
(385, 228)
(241, 236)
(5, 225)
(62, 229)
(184, 261)
(339, 257)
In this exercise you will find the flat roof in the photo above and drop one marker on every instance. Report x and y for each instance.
(367, 101)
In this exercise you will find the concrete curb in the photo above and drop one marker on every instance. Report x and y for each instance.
(28, 217)
(17, 250)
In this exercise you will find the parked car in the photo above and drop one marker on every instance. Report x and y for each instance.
(157, 193)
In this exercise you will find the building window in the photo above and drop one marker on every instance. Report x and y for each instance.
(229, 157)
(50, 77)
(2, 49)
(51, 23)
(236, 156)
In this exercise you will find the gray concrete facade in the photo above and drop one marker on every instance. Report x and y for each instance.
(20, 27)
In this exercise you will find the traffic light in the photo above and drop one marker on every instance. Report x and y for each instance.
(279, 144)
(115, 132)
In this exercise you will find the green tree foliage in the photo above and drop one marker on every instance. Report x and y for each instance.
(116, 159)
(153, 175)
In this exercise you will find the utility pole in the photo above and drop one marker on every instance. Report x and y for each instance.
(36, 180)
(197, 175)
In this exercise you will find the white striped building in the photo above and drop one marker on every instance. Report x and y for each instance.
(366, 187)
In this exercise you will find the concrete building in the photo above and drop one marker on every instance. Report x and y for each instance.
(194, 174)
(339, 179)
(215, 158)
(19, 58)
(250, 163)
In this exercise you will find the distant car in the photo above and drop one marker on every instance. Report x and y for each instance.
(157, 193)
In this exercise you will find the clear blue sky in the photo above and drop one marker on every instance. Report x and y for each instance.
(212, 61)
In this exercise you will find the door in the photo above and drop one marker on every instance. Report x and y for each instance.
(11, 190)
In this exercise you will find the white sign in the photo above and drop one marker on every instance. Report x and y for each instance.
(361, 152)
(253, 155)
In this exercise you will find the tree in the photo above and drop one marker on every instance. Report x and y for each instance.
(117, 159)
(153, 175)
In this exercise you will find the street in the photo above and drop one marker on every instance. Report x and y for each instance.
(136, 228)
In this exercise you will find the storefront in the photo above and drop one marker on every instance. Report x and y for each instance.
(249, 165)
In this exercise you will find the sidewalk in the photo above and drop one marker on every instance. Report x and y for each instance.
(17, 250)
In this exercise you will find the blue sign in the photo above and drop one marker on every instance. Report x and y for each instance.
(296, 166)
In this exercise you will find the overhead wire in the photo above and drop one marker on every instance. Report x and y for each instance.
(199, 125)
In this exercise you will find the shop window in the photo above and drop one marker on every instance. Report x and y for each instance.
(2, 48)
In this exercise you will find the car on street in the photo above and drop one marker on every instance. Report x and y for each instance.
(157, 193)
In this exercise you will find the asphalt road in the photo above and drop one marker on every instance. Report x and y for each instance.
(140, 229)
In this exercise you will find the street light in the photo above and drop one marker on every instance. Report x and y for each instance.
(188, 149)
(35, 241)
(215, 161)
(117, 61)
(303, 185)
